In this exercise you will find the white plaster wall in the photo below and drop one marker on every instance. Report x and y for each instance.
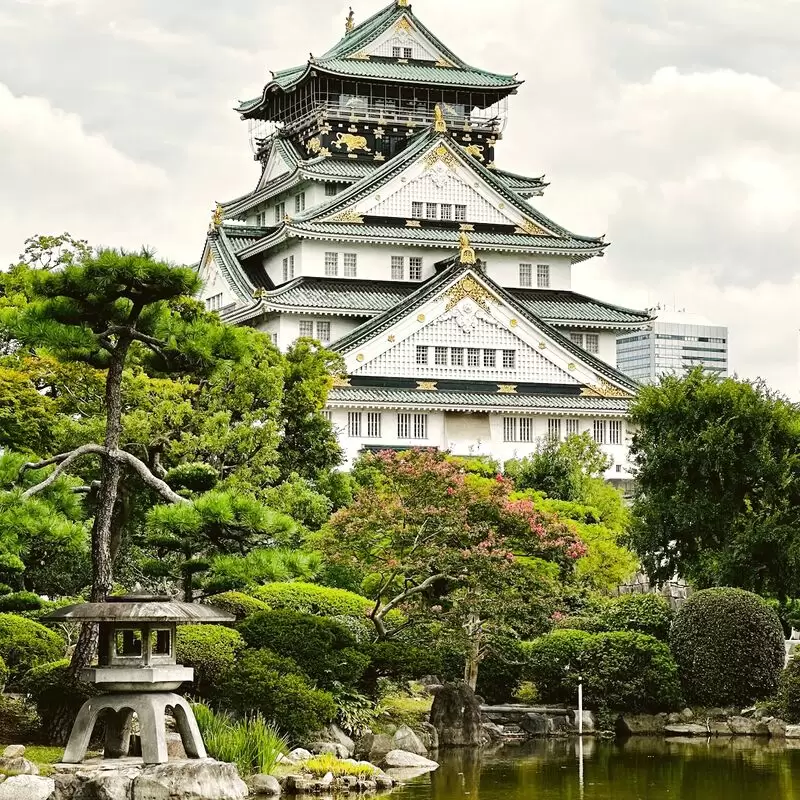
(214, 284)
(503, 268)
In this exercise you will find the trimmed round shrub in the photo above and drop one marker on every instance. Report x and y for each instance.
(312, 599)
(25, 644)
(789, 691)
(210, 650)
(638, 613)
(20, 601)
(581, 622)
(322, 648)
(631, 672)
(501, 670)
(547, 659)
(55, 692)
(237, 603)
(398, 661)
(729, 647)
(263, 681)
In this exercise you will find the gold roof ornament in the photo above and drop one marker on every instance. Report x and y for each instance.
(467, 255)
(605, 389)
(350, 22)
(216, 219)
(402, 3)
(439, 124)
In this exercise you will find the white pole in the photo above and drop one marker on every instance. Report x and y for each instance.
(580, 706)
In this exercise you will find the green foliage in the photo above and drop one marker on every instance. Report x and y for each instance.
(729, 647)
(553, 662)
(312, 599)
(260, 566)
(355, 712)
(717, 491)
(27, 417)
(322, 765)
(631, 672)
(297, 498)
(477, 465)
(25, 644)
(53, 689)
(210, 650)
(262, 681)
(252, 744)
(789, 692)
(501, 668)
(322, 648)
(19, 721)
(4, 673)
(638, 613)
(560, 469)
(195, 477)
(236, 603)
(400, 662)
(20, 602)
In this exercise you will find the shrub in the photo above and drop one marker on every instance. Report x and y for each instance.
(210, 650)
(630, 671)
(591, 623)
(19, 720)
(789, 691)
(638, 613)
(312, 599)
(547, 659)
(322, 765)
(236, 603)
(20, 602)
(729, 647)
(3, 674)
(322, 648)
(501, 669)
(399, 662)
(263, 681)
(25, 644)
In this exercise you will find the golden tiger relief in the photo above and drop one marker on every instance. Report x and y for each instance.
(352, 142)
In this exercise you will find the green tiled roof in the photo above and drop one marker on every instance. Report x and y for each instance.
(521, 184)
(566, 306)
(444, 400)
(416, 73)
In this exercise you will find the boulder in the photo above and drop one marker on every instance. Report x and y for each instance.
(109, 785)
(300, 754)
(374, 746)
(336, 734)
(687, 714)
(535, 724)
(588, 721)
(405, 739)
(749, 712)
(297, 784)
(674, 718)
(383, 781)
(27, 787)
(264, 785)
(559, 725)
(175, 749)
(429, 736)
(777, 728)
(326, 780)
(686, 729)
(793, 731)
(14, 751)
(329, 749)
(719, 727)
(456, 715)
(401, 759)
(742, 726)
(492, 731)
(716, 713)
(202, 779)
(13, 762)
(642, 724)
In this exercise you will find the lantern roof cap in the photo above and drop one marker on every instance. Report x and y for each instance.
(140, 608)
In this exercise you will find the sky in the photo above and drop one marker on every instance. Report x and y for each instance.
(672, 126)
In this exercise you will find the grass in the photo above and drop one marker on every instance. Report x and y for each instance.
(43, 757)
(322, 765)
(403, 709)
(252, 743)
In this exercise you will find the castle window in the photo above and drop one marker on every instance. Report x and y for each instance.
(261, 219)
(354, 424)
(554, 429)
(615, 432)
(408, 52)
(490, 358)
(416, 210)
(526, 275)
(431, 210)
(280, 212)
(374, 425)
(509, 429)
(412, 426)
(600, 431)
(592, 343)
(440, 356)
(509, 359)
(350, 265)
(415, 268)
(214, 303)
(299, 202)
(543, 276)
(422, 356)
(331, 190)
(288, 268)
(473, 357)
(526, 429)
(306, 329)
(576, 338)
(517, 429)
(398, 268)
(331, 265)
(446, 211)
(457, 357)
(572, 427)
(397, 52)
(461, 213)
(324, 332)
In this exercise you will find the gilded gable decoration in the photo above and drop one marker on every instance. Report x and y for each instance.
(352, 217)
(532, 229)
(439, 124)
(475, 150)
(468, 287)
(340, 381)
(440, 153)
(467, 254)
(505, 388)
(604, 389)
(427, 386)
(403, 26)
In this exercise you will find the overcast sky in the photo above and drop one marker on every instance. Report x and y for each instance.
(673, 126)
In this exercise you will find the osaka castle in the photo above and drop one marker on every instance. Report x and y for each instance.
(384, 225)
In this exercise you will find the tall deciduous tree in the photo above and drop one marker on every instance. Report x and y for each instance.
(718, 485)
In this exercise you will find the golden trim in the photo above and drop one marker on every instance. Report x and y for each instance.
(217, 217)
(391, 338)
(413, 223)
(514, 323)
(604, 389)
(258, 294)
(362, 56)
(475, 150)
(421, 318)
(325, 153)
(403, 25)
(360, 357)
(350, 22)
(441, 153)
(543, 345)
(468, 287)
(380, 157)
(351, 142)
(349, 216)
(506, 388)
(465, 226)
(402, 3)
(467, 254)
(427, 386)
(531, 228)
(572, 367)
(340, 381)
(443, 62)
(314, 145)
(439, 124)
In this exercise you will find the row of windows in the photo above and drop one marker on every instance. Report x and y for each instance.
(520, 429)
(445, 211)
(402, 52)
(399, 268)
(455, 357)
(409, 426)
(542, 276)
(350, 262)
(690, 338)
(288, 268)
(590, 342)
(323, 330)
(214, 303)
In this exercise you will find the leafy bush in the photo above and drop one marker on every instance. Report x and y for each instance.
(194, 477)
(210, 650)
(729, 647)
(322, 648)
(590, 623)
(264, 565)
(789, 691)
(3, 674)
(237, 603)
(312, 599)
(298, 498)
(25, 644)
(501, 669)
(19, 720)
(263, 681)
(638, 613)
(399, 662)
(20, 602)
(547, 659)
(53, 689)
(630, 671)
(252, 743)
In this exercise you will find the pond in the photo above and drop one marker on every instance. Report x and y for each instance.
(638, 769)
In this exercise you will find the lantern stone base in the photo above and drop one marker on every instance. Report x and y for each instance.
(203, 779)
(150, 709)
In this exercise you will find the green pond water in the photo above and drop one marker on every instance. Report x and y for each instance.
(638, 769)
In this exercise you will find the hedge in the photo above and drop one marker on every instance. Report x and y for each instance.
(25, 644)
(729, 647)
(54, 690)
(263, 681)
(322, 648)
(400, 662)
(638, 613)
(789, 691)
(546, 660)
(237, 603)
(501, 670)
(312, 599)
(210, 650)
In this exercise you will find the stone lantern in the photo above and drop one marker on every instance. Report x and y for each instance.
(137, 672)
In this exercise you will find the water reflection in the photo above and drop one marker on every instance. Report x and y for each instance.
(638, 769)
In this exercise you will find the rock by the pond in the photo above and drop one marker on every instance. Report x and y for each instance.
(535, 724)
(265, 785)
(642, 724)
(429, 736)
(743, 726)
(719, 727)
(456, 715)
(402, 759)
(202, 779)
(559, 725)
(793, 731)
(300, 754)
(282, 759)
(383, 781)
(674, 718)
(374, 746)
(329, 749)
(687, 714)
(588, 721)
(13, 761)
(405, 739)
(777, 728)
(297, 784)
(493, 731)
(27, 787)
(686, 729)
(326, 780)
(336, 734)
